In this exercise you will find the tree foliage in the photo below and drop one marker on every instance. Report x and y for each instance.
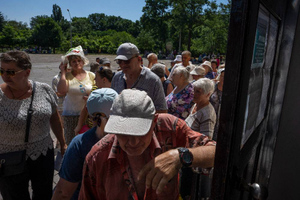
(196, 25)
(56, 14)
(47, 33)
(2, 21)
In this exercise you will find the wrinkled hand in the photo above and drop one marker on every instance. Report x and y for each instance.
(161, 170)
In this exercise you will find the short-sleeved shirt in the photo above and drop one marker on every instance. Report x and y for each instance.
(203, 120)
(74, 101)
(13, 122)
(180, 104)
(148, 82)
(107, 175)
(71, 168)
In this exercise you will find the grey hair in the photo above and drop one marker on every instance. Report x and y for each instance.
(184, 72)
(205, 84)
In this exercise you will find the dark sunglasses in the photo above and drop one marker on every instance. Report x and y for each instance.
(125, 61)
(10, 73)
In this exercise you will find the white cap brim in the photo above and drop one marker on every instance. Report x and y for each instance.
(133, 126)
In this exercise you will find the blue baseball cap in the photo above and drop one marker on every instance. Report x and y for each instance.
(101, 100)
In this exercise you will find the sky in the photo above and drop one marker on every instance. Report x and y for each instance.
(24, 10)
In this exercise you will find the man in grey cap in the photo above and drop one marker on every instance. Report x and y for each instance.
(142, 153)
(135, 76)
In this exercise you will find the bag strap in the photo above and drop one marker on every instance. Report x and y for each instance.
(29, 113)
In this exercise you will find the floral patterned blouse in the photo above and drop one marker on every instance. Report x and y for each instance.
(180, 104)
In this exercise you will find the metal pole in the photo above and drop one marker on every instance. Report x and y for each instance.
(70, 27)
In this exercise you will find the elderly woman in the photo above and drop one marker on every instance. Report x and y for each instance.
(202, 117)
(208, 70)
(16, 94)
(77, 85)
(198, 72)
(180, 99)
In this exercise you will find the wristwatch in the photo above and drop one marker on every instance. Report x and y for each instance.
(185, 156)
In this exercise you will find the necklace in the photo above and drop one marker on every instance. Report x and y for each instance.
(20, 95)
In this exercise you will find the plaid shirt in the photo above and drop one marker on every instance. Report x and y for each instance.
(107, 174)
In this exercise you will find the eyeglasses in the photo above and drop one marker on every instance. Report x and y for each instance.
(10, 73)
(125, 61)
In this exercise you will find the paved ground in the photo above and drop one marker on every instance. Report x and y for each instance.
(45, 67)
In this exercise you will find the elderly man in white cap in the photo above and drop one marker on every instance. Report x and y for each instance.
(135, 76)
(186, 57)
(98, 106)
(142, 153)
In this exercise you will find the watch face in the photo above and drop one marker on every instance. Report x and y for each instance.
(187, 158)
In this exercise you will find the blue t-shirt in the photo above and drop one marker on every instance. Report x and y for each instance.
(72, 164)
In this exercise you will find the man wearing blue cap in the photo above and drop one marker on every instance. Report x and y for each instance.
(98, 106)
(135, 76)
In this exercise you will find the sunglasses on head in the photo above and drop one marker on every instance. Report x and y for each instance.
(125, 61)
(10, 73)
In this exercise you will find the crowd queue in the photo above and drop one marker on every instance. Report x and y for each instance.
(143, 132)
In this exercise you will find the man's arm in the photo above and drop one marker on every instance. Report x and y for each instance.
(64, 189)
(164, 167)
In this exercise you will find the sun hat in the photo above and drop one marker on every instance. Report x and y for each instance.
(207, 63)
(101, 100)
(158, 69)
(126, 51)
(76, 51)
(178, 58)
(198, 70)
(132, 113)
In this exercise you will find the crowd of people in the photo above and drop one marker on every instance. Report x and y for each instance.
(143, 132)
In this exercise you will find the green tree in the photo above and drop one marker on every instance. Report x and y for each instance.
(56, 14)
(14, 34)
(8, 35)
(47, 33)
(98, 21)
(155, 19)
(212, 34)
(2, 21)
(81, 25)
(186, 16)
(146, 41)
(37, 19)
